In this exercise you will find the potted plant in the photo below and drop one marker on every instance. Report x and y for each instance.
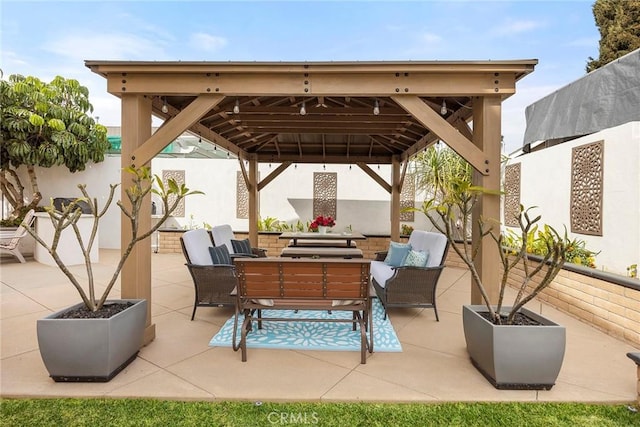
(322, 224)
(97, 338)
(513, 347)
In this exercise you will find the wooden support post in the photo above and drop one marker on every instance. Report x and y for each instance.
(487, 137)
(253, 201)
(396, 188)
(136, 274)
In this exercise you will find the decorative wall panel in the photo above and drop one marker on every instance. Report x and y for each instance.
(587, 171)
(242, 197)
(408, 197)
(178, 177)
(512, 195)
(325, 193)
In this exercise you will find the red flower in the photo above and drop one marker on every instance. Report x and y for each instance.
(325, 221)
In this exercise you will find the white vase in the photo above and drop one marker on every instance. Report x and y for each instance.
(323, 229)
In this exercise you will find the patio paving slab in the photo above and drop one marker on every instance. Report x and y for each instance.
(178, 364)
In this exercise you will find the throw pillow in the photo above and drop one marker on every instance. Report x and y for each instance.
(220, 255)
(416, 259)
(241, 246)
(397, 253)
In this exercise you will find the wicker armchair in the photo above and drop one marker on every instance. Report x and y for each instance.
(411, 286)
(213, 283)
(223, 234)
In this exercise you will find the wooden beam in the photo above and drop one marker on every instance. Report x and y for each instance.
(273, 175)
(402, 175)
(377, 178)
(440, 127)
(174, 128)
(464, 129)
(304, 83)
(245, 176)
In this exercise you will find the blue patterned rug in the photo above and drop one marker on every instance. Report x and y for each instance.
(313, 335)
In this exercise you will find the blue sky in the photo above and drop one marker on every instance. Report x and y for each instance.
(50, 38)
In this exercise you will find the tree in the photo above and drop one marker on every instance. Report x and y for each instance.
(436, 169)
(619, 24)
(44, 124)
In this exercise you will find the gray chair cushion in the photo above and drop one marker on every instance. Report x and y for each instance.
(197, 243)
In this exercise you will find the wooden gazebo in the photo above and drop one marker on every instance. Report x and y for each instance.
(315, 112)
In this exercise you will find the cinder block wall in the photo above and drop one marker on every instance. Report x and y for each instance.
(610, 307)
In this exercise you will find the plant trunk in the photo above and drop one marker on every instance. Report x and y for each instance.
(33, 179)
(13, 191)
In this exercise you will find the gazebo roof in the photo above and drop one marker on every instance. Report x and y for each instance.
(340, 125)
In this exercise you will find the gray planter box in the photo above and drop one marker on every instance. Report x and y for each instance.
(514, 357)
(87, 350)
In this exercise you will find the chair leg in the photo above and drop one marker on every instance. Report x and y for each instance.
(194, 310)
(436, 310)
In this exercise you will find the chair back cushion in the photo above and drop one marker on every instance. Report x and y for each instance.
(433, 243)
(196, 244)
(222, 235)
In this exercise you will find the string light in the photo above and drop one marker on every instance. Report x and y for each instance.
(303, 110)
(376, 108)
(165, 109)
(443, 109)
(236, 108)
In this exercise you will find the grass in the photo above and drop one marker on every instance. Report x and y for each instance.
(145, 412)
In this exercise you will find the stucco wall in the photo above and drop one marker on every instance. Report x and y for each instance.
(362, 203)
(546, 183)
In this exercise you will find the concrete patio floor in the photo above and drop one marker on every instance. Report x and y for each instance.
(178, 364)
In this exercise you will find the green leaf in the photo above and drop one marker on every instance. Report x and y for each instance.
(56, 124)
(36, 120)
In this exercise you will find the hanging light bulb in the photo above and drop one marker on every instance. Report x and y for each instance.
(443, 109)
(303, 110)
(324, 167)
(376, 108)
(349, 167)
(236, 108)
(165, 109)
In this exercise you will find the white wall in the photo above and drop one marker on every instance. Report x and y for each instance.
(546, 183)
(362, 203)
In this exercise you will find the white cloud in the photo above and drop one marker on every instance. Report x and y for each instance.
(430, 38)
(105, 46)
(207, 42)
(516, 27)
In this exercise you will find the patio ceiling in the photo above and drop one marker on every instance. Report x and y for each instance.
(340, 125)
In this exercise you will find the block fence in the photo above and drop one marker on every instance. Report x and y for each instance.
(608, 302)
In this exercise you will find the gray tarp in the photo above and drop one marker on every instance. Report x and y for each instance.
(604, 98)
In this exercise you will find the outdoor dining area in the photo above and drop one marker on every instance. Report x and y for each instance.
(432, 366)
